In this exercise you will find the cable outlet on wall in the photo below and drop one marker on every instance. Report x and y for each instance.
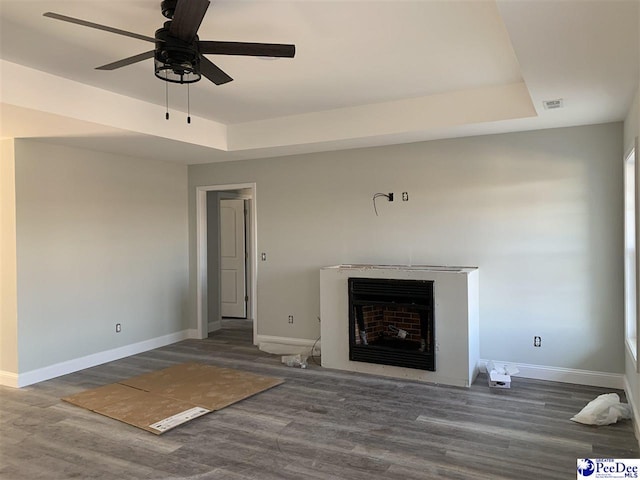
(118, 328)
(290, 318)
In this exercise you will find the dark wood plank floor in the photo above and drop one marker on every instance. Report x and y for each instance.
(320, 424)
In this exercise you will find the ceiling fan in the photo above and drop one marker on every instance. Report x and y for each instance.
(179, 53)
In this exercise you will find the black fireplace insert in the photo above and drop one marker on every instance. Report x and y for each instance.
(391, 322)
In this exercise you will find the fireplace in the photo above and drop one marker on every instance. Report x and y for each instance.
(455, 314)
(391, 322)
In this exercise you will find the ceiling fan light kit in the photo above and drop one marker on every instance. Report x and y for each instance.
(174, 60)
(178, 54)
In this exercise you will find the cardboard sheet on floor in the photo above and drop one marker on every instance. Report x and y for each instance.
(161, 400)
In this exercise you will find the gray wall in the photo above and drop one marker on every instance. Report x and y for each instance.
(101, 239)
(540, 213)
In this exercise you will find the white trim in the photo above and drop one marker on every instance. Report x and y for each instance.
(629, 351)
(636, 416)
(296, 342)
(628, 343)
(77, 364)
(201, 255)
(634, 152)
(567, 375)
(201, 259)
(214, 326)
(631, 269)
(8, 379)
(271, 344)
(193, 333)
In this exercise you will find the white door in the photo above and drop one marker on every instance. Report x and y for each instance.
(232, 259)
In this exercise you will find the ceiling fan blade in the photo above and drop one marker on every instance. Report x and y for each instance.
(213, 72)
(84, 23)
(246, 48)
(187, 19)
(127, 61)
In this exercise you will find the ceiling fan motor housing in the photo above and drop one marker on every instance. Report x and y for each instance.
(176, 61)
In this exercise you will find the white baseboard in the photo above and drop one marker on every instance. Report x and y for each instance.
(567, 375)
(288, 342)
(70, 366)
(194, 333)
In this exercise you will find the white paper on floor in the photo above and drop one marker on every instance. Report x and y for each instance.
(604, 410)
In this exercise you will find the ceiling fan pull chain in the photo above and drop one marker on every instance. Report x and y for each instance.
(188, 105)
(166, 96)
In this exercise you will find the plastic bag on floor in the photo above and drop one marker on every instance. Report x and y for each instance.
(299, 361)
(604, 410)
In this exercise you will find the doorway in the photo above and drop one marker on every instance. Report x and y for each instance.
(216, 281)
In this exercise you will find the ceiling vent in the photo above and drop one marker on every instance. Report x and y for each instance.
(553, 104)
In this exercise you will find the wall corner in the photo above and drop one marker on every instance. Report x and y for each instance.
(8, 261)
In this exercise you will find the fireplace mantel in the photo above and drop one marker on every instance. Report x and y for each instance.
(456, 320)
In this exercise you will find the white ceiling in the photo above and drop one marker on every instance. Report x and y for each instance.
(365, 73)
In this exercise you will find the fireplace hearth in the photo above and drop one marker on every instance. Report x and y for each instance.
(391, 322)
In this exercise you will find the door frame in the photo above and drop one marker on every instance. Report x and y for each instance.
(201, 254)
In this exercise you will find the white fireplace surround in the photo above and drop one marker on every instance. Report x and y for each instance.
(456, 320)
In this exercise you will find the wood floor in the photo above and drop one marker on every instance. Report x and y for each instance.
(319, 424)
